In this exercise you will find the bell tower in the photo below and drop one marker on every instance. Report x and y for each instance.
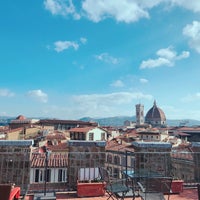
(139, 114)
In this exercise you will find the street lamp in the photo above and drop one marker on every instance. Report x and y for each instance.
(47, 154)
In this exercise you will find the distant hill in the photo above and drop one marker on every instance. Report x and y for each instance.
(110, 121)
(115, 121)
(119, 121)
(5, 120)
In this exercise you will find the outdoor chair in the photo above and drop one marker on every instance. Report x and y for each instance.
(7, 192)
(115, 188)
(155, 188)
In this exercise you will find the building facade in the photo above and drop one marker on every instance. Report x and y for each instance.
(15, 163)
(52, 173)
(88, 134)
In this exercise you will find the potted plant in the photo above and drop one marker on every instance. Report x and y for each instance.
(89, 183)
(177, 185)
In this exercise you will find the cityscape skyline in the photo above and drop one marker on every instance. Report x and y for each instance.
(70, 59)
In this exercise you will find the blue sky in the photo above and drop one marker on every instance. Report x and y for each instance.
(69, 59)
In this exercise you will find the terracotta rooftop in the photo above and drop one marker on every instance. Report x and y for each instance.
(192, 129)
(114, 145)
(60, 147)
(81, 129)
(59, 121)
(55, 160)
(56, 135)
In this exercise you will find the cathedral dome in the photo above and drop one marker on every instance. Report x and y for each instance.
(21, 117)
(155, 116)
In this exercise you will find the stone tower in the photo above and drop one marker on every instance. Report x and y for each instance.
(139, 114)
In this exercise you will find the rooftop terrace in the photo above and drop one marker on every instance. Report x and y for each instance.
(187, 194)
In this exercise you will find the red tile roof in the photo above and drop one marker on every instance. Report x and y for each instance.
(115, 145)
(81, 129)
(56, 136)
(59, 147)
(55, 160)
(74, 122)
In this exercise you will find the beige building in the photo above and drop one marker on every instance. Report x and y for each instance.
(152, 134)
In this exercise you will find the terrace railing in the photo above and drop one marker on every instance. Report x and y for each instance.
(178, 165)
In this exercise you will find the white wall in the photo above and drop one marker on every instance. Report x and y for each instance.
(97, 134)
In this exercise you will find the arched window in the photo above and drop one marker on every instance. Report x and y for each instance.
(116, 160)
(109, 158)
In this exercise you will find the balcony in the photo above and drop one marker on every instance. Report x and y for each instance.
(182, 165)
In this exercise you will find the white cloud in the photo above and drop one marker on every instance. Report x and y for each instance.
(112, 104)
(183, 55)
(143, 80)
(123, 11)
(38, 95)
(192, 5)
(166, 57)
(61, 7)
(117, 83)
(191, 97)
(130, 11)
(193, 32)
(167, 53)
(97, 105)
(110, 99)
(152, 63)
(6, 93)
(127, 11)
(105, 57)
(63, 45)
(83, 40)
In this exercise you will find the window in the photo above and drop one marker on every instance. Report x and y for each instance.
(37, 175)
(124, 161)
(48, 175)
(116, 173)
(109, 158)
(116, 160)
(72, 136)
(40, 175)
(103, 136)
(61, 175)
(76, 136)
(81, 136)
(91, 136)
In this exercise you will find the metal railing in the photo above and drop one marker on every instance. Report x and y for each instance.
(179, 165)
